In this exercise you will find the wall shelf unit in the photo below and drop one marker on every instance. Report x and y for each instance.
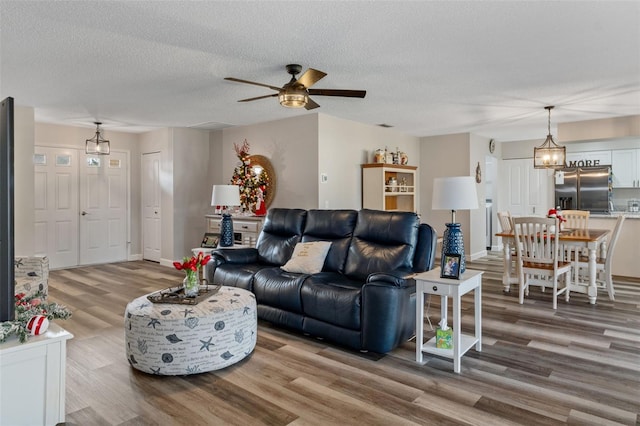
(390, 187)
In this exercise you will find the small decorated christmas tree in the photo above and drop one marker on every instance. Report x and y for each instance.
(253, 183)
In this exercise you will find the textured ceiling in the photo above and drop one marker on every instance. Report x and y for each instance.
(429, 68)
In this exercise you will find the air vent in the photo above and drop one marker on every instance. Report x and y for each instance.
(385, 125)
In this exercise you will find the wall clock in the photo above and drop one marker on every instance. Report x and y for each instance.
(492, 146)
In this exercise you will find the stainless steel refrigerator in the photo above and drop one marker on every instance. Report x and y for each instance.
(584, 188)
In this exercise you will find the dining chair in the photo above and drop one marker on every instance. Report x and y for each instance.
(603, 265)
(538, 256)
(576, 219)
(504, 220)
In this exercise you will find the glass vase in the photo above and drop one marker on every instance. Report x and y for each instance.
(191, 284)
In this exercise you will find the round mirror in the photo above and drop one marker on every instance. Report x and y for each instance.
(265, 175)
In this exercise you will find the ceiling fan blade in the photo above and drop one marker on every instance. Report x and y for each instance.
(311, 77)
(338, 92)
(258, 97)
(252, 82)
(311, 104)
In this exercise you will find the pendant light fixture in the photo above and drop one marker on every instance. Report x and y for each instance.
(97, 145)
(549, 155)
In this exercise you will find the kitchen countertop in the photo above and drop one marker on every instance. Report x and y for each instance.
(614, 215)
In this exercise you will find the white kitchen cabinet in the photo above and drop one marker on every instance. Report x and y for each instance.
(625, 164)
(32, 379)
(527, 188)
(390, 187)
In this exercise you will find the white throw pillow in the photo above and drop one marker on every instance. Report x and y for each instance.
(308, 258)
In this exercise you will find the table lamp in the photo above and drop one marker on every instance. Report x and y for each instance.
(226, 196)
(454, 193)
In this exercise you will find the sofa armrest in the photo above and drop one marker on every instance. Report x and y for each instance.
(241, 255)
(397, 278)
(238, 256)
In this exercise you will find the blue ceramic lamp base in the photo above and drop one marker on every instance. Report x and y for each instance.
(226, 231)
(453, 243)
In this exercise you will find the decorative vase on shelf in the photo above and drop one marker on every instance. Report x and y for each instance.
(191, 284)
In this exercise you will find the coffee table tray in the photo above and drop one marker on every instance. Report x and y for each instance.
(175, 295)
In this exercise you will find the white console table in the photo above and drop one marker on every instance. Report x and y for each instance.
(430, 282)
(246, 229)
(32, 379)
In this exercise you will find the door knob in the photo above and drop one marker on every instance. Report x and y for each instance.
(84, 213)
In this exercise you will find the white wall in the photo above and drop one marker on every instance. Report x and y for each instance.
(605, 128)
(214, 169)
(24, 176)
(191, 189)
(478, 150)
(343, 146)
(455, 155)
(292, 146)
(446, 155)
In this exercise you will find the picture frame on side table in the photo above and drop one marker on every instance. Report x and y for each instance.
(210, 240)
(450, 266)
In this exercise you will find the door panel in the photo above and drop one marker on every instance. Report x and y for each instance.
(56, 205)
(103, 205)
(151, 214)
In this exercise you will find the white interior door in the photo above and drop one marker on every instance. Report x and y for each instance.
(56, 205)
(151, 206)
(103, 208)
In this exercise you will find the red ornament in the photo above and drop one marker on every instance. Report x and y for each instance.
(37, 325)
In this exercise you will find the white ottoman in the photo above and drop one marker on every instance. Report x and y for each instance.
(173, 339)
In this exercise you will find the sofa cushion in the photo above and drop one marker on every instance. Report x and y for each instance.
(335, 226)
(281, 232)
(278, 288)
(332, 298)
(382, 241)
(308, 258)
(236, 275)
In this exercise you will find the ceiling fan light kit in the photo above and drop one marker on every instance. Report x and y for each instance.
(293, 99)
(295, 94)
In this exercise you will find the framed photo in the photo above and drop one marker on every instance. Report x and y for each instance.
(450, 266)
(210, 240)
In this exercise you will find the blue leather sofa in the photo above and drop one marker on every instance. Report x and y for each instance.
(364, 297)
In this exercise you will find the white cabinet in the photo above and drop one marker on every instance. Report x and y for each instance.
(32, 379)
(527, 188)
(625, 165)
(246, 229)
(390, 187)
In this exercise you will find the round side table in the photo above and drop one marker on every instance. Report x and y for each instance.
(174, 339)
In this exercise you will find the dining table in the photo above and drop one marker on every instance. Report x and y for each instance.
(593, 240)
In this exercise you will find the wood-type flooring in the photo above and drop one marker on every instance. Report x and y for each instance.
(577, 365)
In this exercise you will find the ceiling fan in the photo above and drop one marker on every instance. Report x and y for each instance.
(295, 94)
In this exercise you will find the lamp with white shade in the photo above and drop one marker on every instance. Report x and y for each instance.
(454, 193)
(226, 196)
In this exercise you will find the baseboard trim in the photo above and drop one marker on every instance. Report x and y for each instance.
(134, 257)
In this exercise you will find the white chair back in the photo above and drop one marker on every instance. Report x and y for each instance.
(612, 243)
(537, 239)
(576, 219)
(504, 219)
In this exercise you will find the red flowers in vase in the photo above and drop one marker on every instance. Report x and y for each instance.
(191, 265)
